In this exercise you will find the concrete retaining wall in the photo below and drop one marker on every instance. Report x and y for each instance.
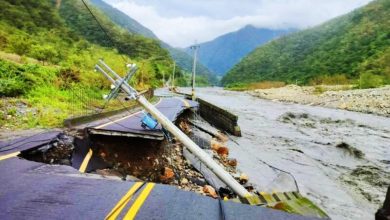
(219, 117)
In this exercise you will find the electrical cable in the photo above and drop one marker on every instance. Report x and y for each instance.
(275, 168)
(104, 31)
(220, 202)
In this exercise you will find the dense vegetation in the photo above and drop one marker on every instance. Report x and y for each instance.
(48, 51)
(182, 59)
(123, 20)
(222, 53)
(355, 47)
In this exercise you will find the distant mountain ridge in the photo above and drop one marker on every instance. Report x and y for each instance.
(348, 46)
(182, 59)
(222, 53)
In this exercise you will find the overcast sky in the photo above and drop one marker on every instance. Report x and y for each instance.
(182, 22)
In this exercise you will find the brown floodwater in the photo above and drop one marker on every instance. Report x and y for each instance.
(340, 159)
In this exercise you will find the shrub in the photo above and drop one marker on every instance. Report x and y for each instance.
(18, 79)
(338, 79)
(319, 90)
(369, 80)
(266, 85)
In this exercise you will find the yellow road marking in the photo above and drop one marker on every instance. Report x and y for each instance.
(138, 203)
(115, 121)
(85, 162)
(9, 155)
(186, 103)
(120, 119)
(267, 197)
(123, 201)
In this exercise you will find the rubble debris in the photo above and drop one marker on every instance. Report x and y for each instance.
(210, 191)
(56, 152)
(243, 178)
(184, 126)
(232, 162)
(215, 145)
(220, 148)
(167, 174)
(135, 159)
(223, 151)
(184, 181)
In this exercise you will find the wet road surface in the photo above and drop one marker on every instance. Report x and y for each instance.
(340, 159)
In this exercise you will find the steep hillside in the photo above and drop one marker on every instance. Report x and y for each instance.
(222, 53)
(353, 46)
(123, 20)
(183, 60)
(47, 55)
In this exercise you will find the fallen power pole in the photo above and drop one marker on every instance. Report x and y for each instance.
(121, 83)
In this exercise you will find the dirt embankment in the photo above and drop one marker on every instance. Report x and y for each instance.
(375, 101)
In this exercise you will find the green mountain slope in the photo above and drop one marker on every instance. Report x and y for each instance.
(123, 20)
(47, 55)
(353, 45)
(185, 62)
(182, 59)
(222, 53)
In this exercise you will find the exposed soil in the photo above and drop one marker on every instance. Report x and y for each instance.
(58, 152)
(135, 159)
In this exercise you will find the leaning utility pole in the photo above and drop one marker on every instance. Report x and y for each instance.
(121, 83)
(195, 48)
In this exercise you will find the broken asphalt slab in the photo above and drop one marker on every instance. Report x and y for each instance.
(39, 191)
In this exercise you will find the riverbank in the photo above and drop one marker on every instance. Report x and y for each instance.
(373, 101)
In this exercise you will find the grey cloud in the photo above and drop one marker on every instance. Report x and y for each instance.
(180, 22)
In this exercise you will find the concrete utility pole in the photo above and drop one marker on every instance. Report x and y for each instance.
(121, 83)
(163, 80)
(173, 74)
(195, 48)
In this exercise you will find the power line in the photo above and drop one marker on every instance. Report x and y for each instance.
(105, 31)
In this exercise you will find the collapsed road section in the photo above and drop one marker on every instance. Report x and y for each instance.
(142, 149)
(57, 190)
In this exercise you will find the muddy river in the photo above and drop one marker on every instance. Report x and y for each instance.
(339, 159)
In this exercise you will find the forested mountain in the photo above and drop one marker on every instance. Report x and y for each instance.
(350, 46)
(222, 53)
(123, 20)
(182, 59)
(48, 49)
